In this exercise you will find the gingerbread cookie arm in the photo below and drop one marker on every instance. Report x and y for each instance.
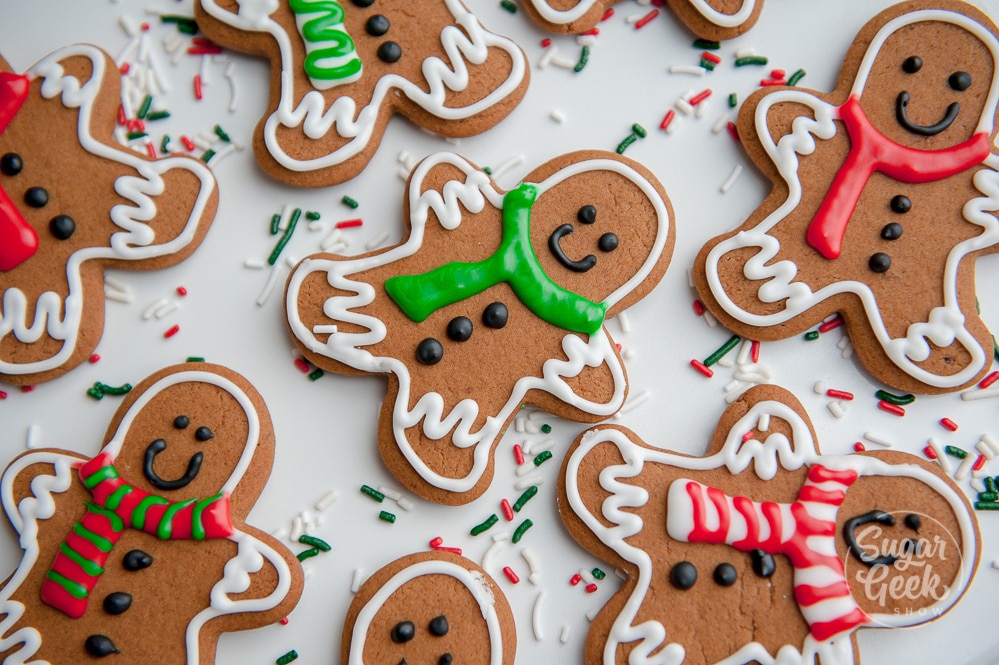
(717, 19)
(579, 17)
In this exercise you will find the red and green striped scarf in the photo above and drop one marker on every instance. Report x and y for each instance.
(118, 505)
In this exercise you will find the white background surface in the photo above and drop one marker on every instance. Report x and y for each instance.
(325, 430)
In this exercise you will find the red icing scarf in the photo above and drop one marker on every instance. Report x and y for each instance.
(871, 151)
(18, 241)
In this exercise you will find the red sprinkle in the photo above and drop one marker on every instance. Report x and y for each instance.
(700, 97)
(436, 542)
(181, 291)
(989, 380)
(27, 389)
(3, 395)
(151, 150)
(859, 447)
(452, 550)
(188, 143)
(592, 31)
(831, 324)
(733, 131)
(711, 57)
(702, 368)
(929, 452)
(145, 27)
(667, 119)
(607, 14)
(891, 408)
(777, 73)
(284, 621)
(698, 308)
(591, 587)
(302, 366)
(204, 41)
(121, 115)
(507, 510)
(645, 20)
(771, 82)
(754, 351)
(576, 579)
(135, 125)
(948, 424)
(173, 331)
(979, 463)
(348, 223)
(124, 68)
(197, 90)
(747, 436)
(546, 42)
(510, 575)
(518, 454)
(204, 50)
(94, 358)
(839, 394)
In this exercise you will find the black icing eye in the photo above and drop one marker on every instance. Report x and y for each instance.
(117, 602)
(960, 81)
(429, 352)
(725, 574)
(403, 632)
(137, 560)
(763, 563)
(363, 3)
(389, 52)
(683, 575)
(587, 214)
(36, 197)
(180, 422)
(495, 315)
(100, 646)
(445, 659)
(438, 626)
(879, 262)
(901, 204)
(608, 242)
(62, 227)
(377, 25)
(912, 64)
(891, 231)
(913, 521)
(203, 434)
(11, 164)
(459, 329)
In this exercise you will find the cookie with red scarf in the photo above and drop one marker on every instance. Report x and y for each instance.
(142, 551)
(58, 230)
(763, 550)
(707, 19)
(493, 300)
(341, 68)
(884, 195)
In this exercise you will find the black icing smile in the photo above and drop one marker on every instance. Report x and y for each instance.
(850, 535)
(584, 264)
(924, 130)
(193, 468)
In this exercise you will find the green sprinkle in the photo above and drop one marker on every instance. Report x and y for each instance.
(316, 374)
(219, 132)
(312, 541)
(795, 77)
(349, 202)
(733, 100)
(176, 18)
(144, 108)
(131, 136)
(720, 353)
(312, 215)
(707, 44)
(900, 400)
(187, 28)
(164, 143)
(95, 393)
(521, 530)
(307, 554)
(287, 658)
(195, 359)
(158, 115)
(123, 389)
(485, 525)
(988, 496)
(546, 428)
(623, 145)
(207, 155)
(986, 505)
(525, 497)
(387, 517)
(707, 64)
(638, 129)
(509, 6)
(584, 57)
(954, 451)
(751, 60)
(285, 237)
(990, 484)
(275, 223)
(995, 348)
(598, 574)
(542, 457)
(487, 170)
(373, 493)
(812, 335)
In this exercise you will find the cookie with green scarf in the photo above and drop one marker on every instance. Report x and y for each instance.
(493, 300)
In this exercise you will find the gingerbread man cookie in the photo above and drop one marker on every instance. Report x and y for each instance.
(341, 68)
(60, 230)
(885, 193)
(142, 552)
(763, 550)
(432, 607)
(708, 19)
(494, 299)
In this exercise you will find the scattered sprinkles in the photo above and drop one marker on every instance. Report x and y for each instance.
(521, 530)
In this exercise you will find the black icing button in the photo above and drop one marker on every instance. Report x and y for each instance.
(377, 25)
(137, 560)
(403, 632)
(438, 626)
(100, 646)
(891, 231)
(608, 242)
(683, 575)
(389, 52)
(117, 602)
(763, 563)
(203, 433)
(181, 422)
(725, 574)
(959, 81)
(495, 315)
(36, 197)
(913, 521)
(879, 262)
(62, 227)
(587, 214)
(429, 351)
(11, 164)
(459, 329)
(901, 204)
(912, 64)
(445, 659)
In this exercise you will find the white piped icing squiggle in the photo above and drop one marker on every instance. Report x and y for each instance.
(565, 16)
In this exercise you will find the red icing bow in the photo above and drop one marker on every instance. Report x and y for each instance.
(18, 241)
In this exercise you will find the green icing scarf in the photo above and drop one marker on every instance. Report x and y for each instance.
(515, 263)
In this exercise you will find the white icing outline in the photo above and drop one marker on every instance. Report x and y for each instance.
(945, 323)
(342, 116)
(563, 17)
(474, 581)
(41, 506)
(736, 456)
(474, 194)
(135, 242)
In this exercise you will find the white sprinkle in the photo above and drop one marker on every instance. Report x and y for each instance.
(490, 554)
(702, 109)
(628, 354)
(734, 384)
(201, 143)
(539, 446)
(377, 240)
(326, 500)
(511, 163)
(501, 535)
(710, 319)
(726, 362)
(405, 504)
(357, 580)
(31, 440)
(690, 277)
(531, 427)
(847, 350)
(754, 372)
(157, 69)
(177, 56)
(843, 342)
(330, 240)
(592, 614)
(203, 71)
(535, 579)
(153, 11)
(154, 88)
(403, 173)
(745, 52)
(404, 157)
(564, 63)
(233, 96)
(736, 172)
(880, 440)
(557, 116)
(144, 47)
(586, 40)
(941, 456)
(547, 56)
(564, 637)
(720, 124)
(635, 401)
(206, 135)
(736, 394)
(764, 423)
(117, 285)
(532, 563)
(297, 529)
(991, 443)
(254, 264)
(980, 473)
(623, 321)
(586, 575)
(820, 387)
(324, 329)
(983, 449)
(285, 217)
(518, 424)
(965, 468)
(524, 483)
(131, 27)
(977, 485)
(535, 415)
(316, 225)
(836, 408)
(221, 154)
(120, 135)
(307, 519)
(980, 394)
(525, 468)
(634, 18)
(744, 352)
(688, 69)
(171, 41)
(167, 309)
(117, 296)
(536, 616)
(148, 312)
(393, 494)
(279, 533)
(272, 281)
(674, 125)
(683, 106)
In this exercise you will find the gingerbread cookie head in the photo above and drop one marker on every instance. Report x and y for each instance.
(709, 19)
(448, 313)
(151, 526)
(59, 229)
(434, 607)
(885, 193)
(820, 545)
(340, 70)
